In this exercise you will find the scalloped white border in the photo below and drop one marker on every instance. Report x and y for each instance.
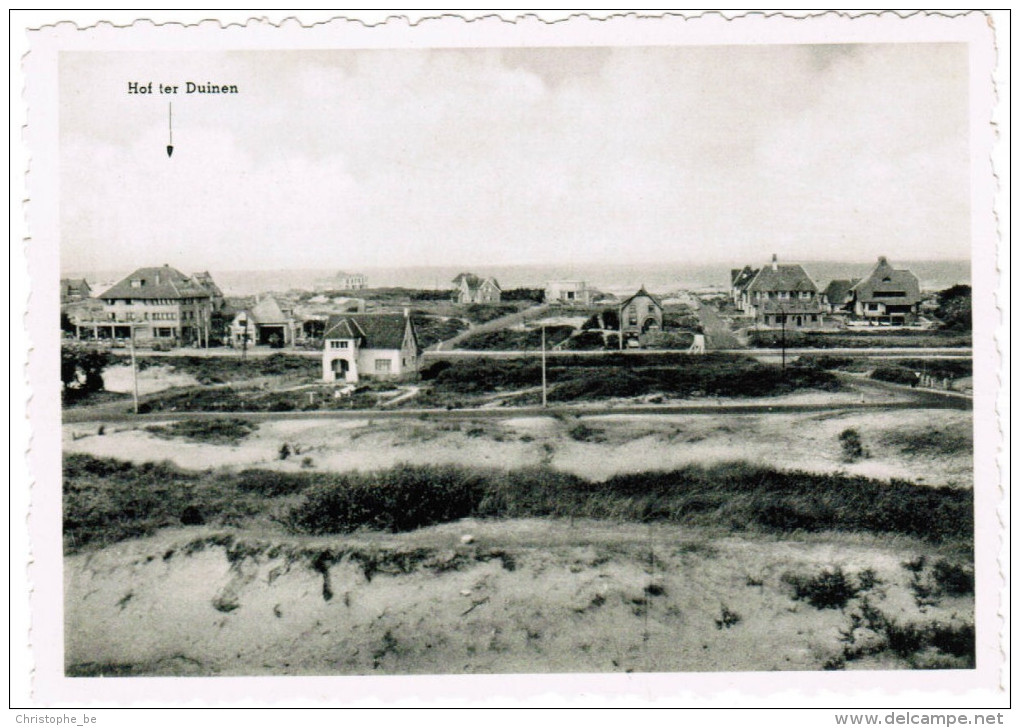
(280, 31)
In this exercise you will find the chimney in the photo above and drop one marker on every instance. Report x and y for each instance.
(775, 262)
(882, 260)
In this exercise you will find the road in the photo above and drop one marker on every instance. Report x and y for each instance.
(717, 334)
(876, 352)
(922, 400)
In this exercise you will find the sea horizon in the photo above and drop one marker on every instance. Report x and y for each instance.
(659, 278)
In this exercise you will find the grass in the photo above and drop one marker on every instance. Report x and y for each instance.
(857, 340)
(221, 370)
(107, 500)
(219, 430)
(621, 375)
(830, 588)
(950, 439)
(516, 339)
(433, 329)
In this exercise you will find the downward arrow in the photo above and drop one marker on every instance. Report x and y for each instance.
(170, 146)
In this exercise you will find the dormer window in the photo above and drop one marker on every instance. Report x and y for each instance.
(137, 282)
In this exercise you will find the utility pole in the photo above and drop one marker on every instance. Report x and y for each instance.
(134, 366)
(544, 401)
(782, 323)
(244, 339)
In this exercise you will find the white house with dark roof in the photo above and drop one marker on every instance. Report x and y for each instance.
(784, 294)
(372, 345)
(887, 295)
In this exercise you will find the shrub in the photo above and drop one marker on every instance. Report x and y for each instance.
(107, 500)
(829, 589)
(402, 498)
(226, 430)
(946, 440)
(583, 433)
(727, 618)
(953, 579)
(897, 375)
(850, 443)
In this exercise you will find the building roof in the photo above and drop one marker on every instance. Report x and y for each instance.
(782, 277)
(268, 311)
(885, 279)
(79, 283)
(162, 282)
(474, 282)
(740, 278)
(642, 292)
(376, 330)
(205, 280)
(838, 290)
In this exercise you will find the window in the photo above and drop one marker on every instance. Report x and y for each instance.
(338, 344)
(383, 366)
(137, 282)
(632, 315)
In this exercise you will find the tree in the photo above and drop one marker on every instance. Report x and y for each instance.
(82, 367)
(954, 309)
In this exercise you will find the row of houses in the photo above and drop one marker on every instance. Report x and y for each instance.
(780, 294)
(469, 288)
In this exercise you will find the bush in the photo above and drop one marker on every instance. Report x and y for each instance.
(397, 499)
(81, 367)
(896, 375)
(829, 589)
(107, 500)
(850, 444)
(223, 430)
(953, 579)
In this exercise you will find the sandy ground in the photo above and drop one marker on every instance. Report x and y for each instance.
(150, 380)
(525, 596)
(614, 444)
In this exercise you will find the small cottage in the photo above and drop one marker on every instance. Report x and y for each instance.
(640, 314)
(264, 324)
(469, 288)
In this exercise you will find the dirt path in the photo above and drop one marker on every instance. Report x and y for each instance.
(496, 324)
(717, 333)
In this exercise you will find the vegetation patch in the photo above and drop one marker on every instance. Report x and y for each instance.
(629, 375)
(830, 588)
(222, 370)
(851, 445)
(516, 339)
(926, 645)
(949, 439)
(106, 500)
(219, 430)
(857, 340)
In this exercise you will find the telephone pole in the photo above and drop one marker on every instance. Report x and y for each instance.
(134, 366)
(544, 402)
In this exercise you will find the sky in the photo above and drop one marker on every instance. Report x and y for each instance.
(363, 158)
